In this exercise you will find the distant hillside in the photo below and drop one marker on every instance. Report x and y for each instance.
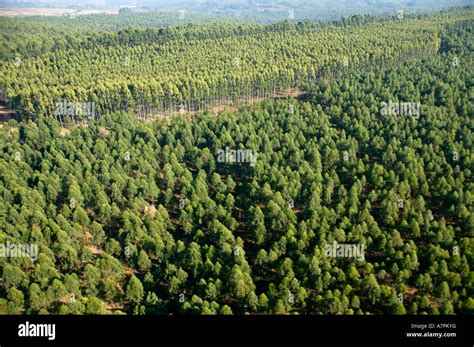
(261, 10)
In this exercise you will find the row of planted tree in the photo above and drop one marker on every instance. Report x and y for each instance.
(193, 71)
(143, 218)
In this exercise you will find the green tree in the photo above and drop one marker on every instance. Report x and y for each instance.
(134, 292)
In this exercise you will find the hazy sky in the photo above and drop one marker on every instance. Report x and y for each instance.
(243, 2)
(309, 8)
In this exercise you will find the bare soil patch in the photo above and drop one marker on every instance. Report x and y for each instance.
(64, 131)
(6, 113)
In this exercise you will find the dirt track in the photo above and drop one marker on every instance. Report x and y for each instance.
(5, 113)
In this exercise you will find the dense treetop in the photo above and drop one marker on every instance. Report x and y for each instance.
(139, 217)
(159, 68)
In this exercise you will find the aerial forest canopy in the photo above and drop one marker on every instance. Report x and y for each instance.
(192, 67)
(134, 212)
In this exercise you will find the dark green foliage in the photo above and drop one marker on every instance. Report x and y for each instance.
(142, 218)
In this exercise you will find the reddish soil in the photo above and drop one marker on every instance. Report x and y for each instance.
(6, 113)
